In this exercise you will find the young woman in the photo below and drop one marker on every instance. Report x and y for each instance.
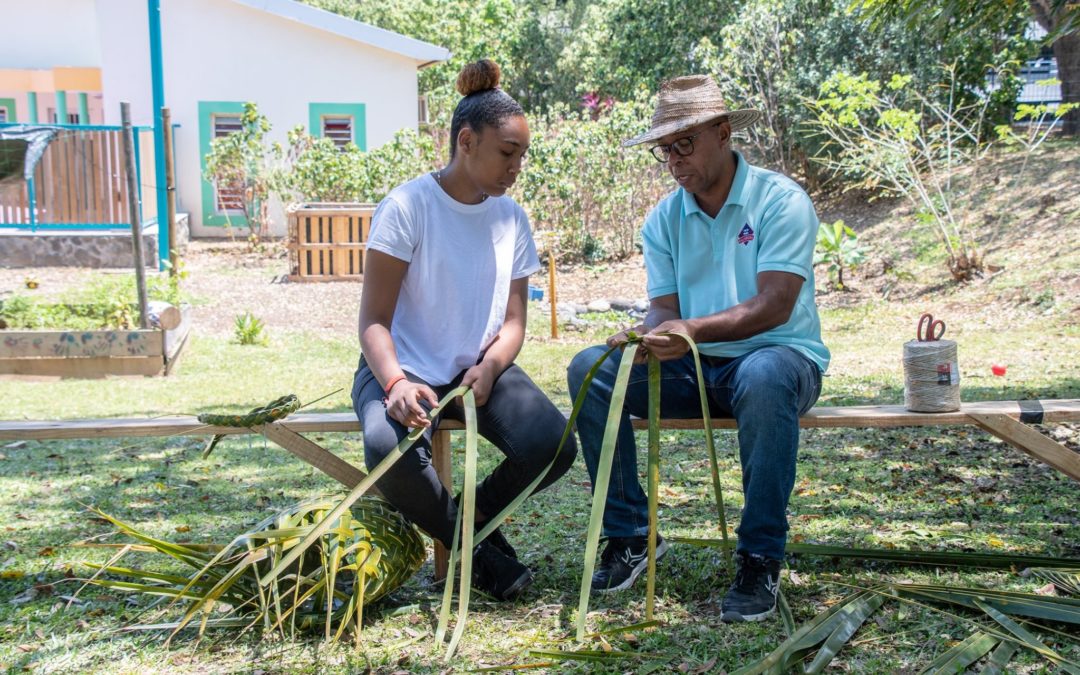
(443, 305)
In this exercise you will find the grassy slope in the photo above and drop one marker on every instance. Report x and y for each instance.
(958, 489)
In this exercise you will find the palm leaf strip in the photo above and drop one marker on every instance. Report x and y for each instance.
(607, 453)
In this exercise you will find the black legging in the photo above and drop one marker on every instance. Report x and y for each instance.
(517, 418)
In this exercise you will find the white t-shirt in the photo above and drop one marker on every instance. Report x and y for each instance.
(462, 258)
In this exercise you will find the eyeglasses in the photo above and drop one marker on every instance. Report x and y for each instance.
(684, 147)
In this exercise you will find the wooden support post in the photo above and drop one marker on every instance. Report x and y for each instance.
(170, 193)
(315, 455)
(551, 290)
(1029, 440)
(440, 455)
(134, 211)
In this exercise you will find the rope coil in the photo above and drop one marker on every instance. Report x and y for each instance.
(931, 376)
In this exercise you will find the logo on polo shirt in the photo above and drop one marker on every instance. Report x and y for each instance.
(746, 235)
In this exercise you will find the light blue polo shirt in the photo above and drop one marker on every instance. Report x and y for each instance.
(767, 224)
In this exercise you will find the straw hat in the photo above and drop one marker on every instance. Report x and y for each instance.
(686, 102)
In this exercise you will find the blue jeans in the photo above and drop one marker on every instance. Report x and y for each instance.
(765, 390)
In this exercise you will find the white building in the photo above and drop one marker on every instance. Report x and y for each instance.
(73, 61)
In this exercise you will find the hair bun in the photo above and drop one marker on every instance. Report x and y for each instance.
(479, 76)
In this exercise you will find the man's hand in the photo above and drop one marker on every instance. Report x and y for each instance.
(480, 378)
(668, 347)
(403, 403)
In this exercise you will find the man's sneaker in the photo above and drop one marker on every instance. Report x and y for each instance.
(623, 560)
(497, 574)
(753, 595)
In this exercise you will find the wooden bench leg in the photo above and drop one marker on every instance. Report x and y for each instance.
(440, 455)
(348, 475)
(1031, 441)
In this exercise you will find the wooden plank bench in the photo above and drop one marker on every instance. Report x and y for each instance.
(1008, 420)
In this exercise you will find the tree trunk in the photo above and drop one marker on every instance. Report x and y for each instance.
(1066, 48)
(1067, 53)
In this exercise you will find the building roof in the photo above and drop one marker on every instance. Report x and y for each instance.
(424, 52)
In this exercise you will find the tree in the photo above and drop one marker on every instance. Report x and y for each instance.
(1059, 18)
(239, 166)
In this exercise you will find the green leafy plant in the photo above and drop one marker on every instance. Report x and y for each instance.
(107, 302)
(898, 139)
(1038, 121)
(317, 170)
(240, 163)
(248, 329)
(838, 247)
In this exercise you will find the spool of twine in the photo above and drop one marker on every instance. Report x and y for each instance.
(931, 376)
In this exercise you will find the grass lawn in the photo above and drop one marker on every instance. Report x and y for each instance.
(954, 489)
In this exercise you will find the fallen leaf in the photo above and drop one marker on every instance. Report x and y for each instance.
(1048, 589)
(26, 649)
(25, 597)
(16, 445)
(47, 551)
(183, 528)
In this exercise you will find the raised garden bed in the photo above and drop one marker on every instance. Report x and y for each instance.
(93, 353)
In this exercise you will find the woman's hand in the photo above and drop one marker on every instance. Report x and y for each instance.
(623, 336)
(405, 402)
(480, 378)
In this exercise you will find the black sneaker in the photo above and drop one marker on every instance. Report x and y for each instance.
(753, 595)
(497, 574)
(499, 541)
(623, 560)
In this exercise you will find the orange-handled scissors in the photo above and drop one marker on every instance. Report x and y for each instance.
(929, 330)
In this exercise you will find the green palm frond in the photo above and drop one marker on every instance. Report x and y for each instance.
(1001, 622)
(367, 552)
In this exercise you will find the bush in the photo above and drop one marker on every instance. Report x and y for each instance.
(109, 302)
(316, 170)
(581, 185)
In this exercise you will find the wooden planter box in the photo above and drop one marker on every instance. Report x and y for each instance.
(327, 241)
(93, 353)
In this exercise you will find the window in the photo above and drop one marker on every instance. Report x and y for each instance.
(338, 128)
(342, 123)
(422, 110)
(3, 114)
(228, 198)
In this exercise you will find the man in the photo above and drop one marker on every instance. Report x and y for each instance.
(729, 262)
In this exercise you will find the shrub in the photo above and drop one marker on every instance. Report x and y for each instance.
(108, 302)
(581, 185)
(248, 330)
(838, 247)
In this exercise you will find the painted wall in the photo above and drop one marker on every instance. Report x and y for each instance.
(217, 50)
(47, 33)
(214, 50)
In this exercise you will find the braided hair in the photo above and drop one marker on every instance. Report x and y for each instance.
(483, 104)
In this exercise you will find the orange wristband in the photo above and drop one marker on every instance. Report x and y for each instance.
(390, 385)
